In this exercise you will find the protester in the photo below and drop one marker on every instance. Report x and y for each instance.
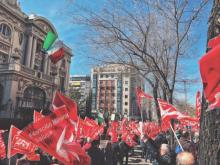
(109, 154)
(151, 150)
(143, 141)
(165, 157)
(186, 143)
(22, 162)
(185, 158)
(97, 156)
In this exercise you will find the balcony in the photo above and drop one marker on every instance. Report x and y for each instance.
(30, 103)
(21, 68)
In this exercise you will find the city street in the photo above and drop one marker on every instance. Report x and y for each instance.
(90, 82)
(136, 159)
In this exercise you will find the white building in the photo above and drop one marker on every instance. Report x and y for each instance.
(113, 89)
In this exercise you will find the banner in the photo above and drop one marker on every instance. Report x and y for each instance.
(37, 116)
(2, 146)
(19, 144)
(49, 132)
(60, 100)
(139, 95)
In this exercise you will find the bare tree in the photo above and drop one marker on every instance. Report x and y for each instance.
(150, 36)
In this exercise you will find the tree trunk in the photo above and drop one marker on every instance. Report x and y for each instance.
(209, 147)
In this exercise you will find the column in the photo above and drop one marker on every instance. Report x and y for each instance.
(29, 51)
(45, 64)
(48, 66)
(33, 52)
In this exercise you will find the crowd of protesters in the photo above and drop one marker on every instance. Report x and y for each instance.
(158, 150)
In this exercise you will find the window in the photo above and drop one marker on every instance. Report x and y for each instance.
(126, 110)
(112, 76)
(39, 47)
(126, 89)
(126, 96)
(126, 103)
(106, 76)
(126, 82)
(101, 76)
(21, 38)
(5, 30)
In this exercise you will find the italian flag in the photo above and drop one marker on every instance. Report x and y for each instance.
(100, 118)
(56, 52)
(49, 40)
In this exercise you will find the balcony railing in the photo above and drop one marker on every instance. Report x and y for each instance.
(32, 103)
(21, 68)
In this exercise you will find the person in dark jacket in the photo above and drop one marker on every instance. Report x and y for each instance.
(109, 154)
(97, 156)
(151, 150)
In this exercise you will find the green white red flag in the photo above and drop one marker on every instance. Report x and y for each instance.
(49, 40)
(56, 52)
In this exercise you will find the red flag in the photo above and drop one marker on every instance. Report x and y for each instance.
(49, 133)
(214, 42)
(33, 157)
(37, 116)
(60, 100)
(210, 73)
(75, 150)
(56, 52)
(2, 146)
(216, 103)
(198, 104)
(167, 110)
(19, 144)
(140, 94)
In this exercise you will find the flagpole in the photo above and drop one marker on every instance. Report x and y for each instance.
(176, 137)
(142, 121)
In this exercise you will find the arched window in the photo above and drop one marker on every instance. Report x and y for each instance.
(35, 97)
(5, 30)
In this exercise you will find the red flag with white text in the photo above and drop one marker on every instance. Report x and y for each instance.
(139, 95)
(49, 133)
(2, 146)
(19, 144)
(60, 100)
(37, 116)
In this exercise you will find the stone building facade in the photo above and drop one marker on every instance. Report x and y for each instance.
(28, 79)
(209, 147)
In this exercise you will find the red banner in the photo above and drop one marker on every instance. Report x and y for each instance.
(37, 116)
(140, 94)
(198, 104)
(2, 146)
(49, 133)
(60, 100)
(19, 144)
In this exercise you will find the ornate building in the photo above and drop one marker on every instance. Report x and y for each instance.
(209, 147)
(28, 79)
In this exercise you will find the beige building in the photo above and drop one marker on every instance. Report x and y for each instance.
(28, 79)
(113, 89)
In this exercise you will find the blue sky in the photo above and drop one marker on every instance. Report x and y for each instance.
(56, 11)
